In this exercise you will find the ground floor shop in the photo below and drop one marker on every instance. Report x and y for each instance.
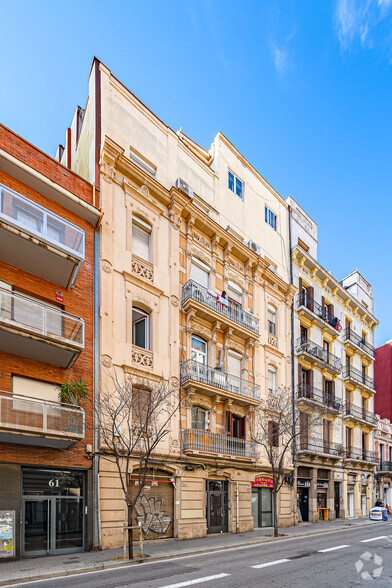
(188, 500)
(328, 494)
(48, 509)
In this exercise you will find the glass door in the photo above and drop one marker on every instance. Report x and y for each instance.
(69, 524)
(37, 526)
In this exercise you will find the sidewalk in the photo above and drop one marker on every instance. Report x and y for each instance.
(12, 572)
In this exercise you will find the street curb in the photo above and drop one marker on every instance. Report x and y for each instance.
(114, 565)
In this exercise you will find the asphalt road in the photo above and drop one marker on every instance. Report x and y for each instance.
(354, 557)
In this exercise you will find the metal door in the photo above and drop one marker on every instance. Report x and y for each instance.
(304, 503)
(337, 499)
(217, 506)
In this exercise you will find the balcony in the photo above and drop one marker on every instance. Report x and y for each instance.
(384, 466)
(30, 328)
(30, 421)
(315, 446)
(315, 354)
(228, 313)
(357, 343)
(38, 241)
(359, 415)
(358, 454)
(318, 398)
(198, 441)
(211, 382)
(320, 314)
(357, 378)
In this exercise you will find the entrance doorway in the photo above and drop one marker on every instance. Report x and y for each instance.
(262, 507)
(337, 499)
(303, 495)
(52, 512)
(363, 503)
(217, 506)
(350, 504)
(52, 525)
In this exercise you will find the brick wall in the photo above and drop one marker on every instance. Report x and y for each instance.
(77, 300)
(383, 379)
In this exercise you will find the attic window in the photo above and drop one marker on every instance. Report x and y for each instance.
(142, 162)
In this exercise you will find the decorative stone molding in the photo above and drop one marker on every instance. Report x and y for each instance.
(174, 382)
(200, 239)
(197, 252)
(142, 357)
(107, 171)
(175, 220)
(145, 191)
(273, 340)
(236, 279)
(106, 266)
(174, 300)
(272, 402)
(106, 361)
(143, 269)
(202, 401)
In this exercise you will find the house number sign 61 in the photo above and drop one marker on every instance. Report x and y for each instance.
(53, 483)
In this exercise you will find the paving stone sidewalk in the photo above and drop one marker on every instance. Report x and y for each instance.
(12, 572)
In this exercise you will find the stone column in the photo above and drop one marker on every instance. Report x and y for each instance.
(313, 514)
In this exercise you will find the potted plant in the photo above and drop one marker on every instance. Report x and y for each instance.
(73, 393)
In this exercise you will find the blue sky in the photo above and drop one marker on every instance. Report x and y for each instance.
(302, 88)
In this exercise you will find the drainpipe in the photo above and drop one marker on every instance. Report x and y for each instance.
(237, 497)
(96, 328)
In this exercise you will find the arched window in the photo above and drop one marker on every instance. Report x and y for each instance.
(140, 328)
(271, 320)
(271, 380)
(141, 237)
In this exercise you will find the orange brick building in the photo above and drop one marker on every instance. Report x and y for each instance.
(47, 230)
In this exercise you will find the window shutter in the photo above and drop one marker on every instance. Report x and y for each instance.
(299, 374)
(199, 275)
(322, 301)
(140, 242)
(234, 364)
(242, 428)
(331, 310)
(270, 433)
(229, 423)
(333, 388)
(300, 285)
(311, 379)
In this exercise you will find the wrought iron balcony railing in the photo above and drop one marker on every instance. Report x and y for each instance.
(352, 373)
(29, 217)
(32, 417)
(224, 307)
(304, 345)
(384, 466)
(315, 445)
(350, 335)
(307, 392)
(38, 318)
(359, 454)
(303, 299)
(357, 412)
(193, 370)
(214, 443)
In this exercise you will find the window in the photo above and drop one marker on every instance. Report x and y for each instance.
(234, 363)
(140, 328)
(236, 185)
(273, 434)
(271, 320)
(200, 272)
(199, 418)
(234, 292)
(141, 405)
(271, 218)
(199, 350)
(271, 380)
(141, 234)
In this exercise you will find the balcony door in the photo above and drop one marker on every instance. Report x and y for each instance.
(199, 359)
(234, 371)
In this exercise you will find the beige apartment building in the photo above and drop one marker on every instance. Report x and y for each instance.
(334, 377)
(195, 291)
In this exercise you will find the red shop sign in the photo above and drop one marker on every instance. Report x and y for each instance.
(263, 483)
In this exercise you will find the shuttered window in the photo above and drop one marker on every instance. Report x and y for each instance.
(35, 389)
(141, 233)
(234, 363)
(200, 272)
(234, 292)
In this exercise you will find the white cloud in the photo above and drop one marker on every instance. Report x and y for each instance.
(355, 19)
(281, 55)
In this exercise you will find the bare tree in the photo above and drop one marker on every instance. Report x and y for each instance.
(134, 417)
(277, 427)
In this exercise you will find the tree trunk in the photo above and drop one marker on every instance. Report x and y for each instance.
(130, 532)
(275, 501)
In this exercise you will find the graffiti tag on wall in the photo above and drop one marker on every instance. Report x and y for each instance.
(150, 515)
(7, 531)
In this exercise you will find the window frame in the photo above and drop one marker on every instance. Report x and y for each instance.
(270, 214)
(236, 180)
(274, 371)
(271, 309)
(203, 411)
(146, 317)
(202, 353)
(147, 228)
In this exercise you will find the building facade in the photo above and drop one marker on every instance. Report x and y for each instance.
(383, 448)
(333, 326)
(195, 291)
(47, 220)
(383, 378)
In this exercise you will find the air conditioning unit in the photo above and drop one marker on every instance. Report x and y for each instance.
(184, 187)
(254, 247)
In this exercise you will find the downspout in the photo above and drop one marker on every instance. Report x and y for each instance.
(293, 445)
(237, 530)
